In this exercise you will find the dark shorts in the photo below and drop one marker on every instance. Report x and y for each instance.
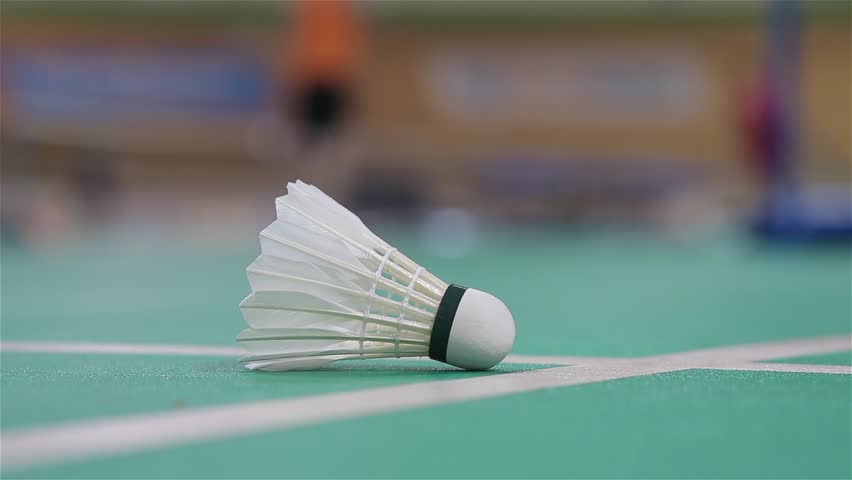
(321, 108)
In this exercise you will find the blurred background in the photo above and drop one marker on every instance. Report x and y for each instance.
(669, 117)
(630, 177)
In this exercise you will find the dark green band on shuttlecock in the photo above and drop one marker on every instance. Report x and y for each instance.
(444, 322)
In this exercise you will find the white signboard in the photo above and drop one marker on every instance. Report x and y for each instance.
(597, 86)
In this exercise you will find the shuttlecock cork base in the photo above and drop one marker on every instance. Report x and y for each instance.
(473, 330)
(325, 288)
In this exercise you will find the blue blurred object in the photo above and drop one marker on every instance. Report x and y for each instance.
(542, 175)
(820, 214)
(108, 82)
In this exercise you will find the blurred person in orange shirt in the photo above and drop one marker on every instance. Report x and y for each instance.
(326, 45)
(324, 49)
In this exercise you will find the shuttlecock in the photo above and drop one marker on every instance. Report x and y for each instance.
(326, 288)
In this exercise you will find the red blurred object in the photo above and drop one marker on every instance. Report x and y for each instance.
(760, 122)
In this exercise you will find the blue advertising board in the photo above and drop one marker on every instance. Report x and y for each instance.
(103, 83)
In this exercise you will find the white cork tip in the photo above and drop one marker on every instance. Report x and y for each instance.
(483, 332)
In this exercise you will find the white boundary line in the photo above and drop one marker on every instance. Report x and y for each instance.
(202, 350)
(120, 435)
(704, 358)
(119, 348)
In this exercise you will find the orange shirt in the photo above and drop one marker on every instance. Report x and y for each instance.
(326, 39)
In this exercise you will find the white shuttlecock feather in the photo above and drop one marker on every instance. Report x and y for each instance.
(326, 288)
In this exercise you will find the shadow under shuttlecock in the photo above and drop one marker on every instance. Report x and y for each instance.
(410, 367)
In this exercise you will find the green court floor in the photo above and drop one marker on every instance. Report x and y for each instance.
(615, 299)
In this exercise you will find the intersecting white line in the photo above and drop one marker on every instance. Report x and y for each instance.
(789, 368)
(120, 435)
